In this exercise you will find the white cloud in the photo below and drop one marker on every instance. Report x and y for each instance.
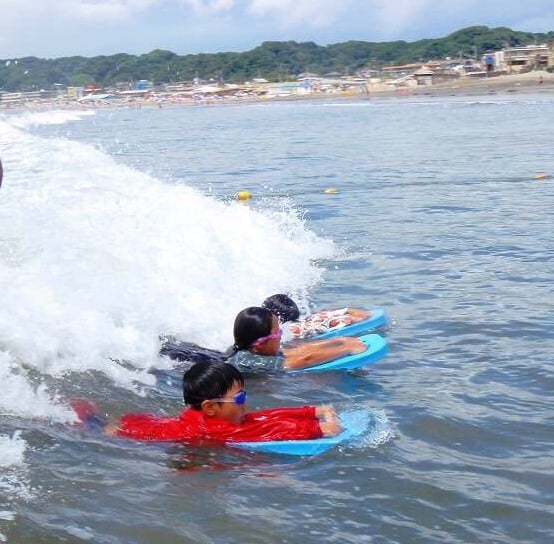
(209, 6)
(50, 11)
(100, 10)
(311, 12)
(91, 27)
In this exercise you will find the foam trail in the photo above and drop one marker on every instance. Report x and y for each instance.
(381, 431)
(98, 259)
(14, 481)
(11, 451)
(51, 117)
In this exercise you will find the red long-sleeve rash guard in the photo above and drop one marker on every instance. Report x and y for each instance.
(273, 424)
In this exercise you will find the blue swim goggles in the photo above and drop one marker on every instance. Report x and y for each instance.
(238, 398)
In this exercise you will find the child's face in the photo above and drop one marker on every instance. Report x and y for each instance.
(229, 410)
(272, 345)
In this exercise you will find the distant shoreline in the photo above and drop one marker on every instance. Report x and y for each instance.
(529, 83)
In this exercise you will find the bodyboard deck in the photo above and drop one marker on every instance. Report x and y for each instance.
(354, 423)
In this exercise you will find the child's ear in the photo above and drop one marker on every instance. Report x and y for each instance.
(208, 408)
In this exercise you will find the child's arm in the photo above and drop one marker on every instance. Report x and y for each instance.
(328, 420)
(323, 412)
(357, 314)
(326, 412)
(330, 428)
(328, 319)
(350, 315)
(321, 351)
(318, 322)
(300, 423)
(111, 428)
(150, 427)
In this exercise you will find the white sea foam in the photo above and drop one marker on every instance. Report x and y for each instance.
(51, 117)
(97, 260)
(381, 430)
(12, 449)
(14, 482)
(22, 397)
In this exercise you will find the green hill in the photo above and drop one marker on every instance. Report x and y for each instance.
(273, 61)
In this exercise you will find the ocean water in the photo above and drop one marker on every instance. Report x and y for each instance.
(117, 226)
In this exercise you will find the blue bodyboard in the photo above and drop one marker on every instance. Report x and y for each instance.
(353, 424)
(377, 319)
(376, 349)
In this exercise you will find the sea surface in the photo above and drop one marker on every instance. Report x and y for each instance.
(119, 225)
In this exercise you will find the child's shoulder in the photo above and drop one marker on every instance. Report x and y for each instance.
(252, 362)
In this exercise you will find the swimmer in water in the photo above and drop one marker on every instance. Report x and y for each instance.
(294, 327)
(216, 410)
(257, 345)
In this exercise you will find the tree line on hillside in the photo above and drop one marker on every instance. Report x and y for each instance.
(274, 61)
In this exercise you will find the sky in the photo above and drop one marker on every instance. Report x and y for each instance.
(61, 28)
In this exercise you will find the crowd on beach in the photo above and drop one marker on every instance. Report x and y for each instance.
(538, 81)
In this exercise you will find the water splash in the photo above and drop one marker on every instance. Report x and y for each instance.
(98, 259)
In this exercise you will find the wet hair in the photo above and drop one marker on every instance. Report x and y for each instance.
(250, 324)
(187, 352)
(283, 307)
(208, 380)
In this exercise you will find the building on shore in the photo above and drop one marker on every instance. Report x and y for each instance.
(17, 99)
(514, 60)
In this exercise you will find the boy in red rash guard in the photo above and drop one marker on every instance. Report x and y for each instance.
(216, 411)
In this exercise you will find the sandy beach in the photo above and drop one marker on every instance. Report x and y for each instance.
(526, 83)
(530, 82)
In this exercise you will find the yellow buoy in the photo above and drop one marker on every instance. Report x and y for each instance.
(243, 195)
(331, 191)
(541, 175)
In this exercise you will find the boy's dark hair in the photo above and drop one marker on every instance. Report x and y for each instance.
(283, 307)
(207, 380)
(250, 324)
